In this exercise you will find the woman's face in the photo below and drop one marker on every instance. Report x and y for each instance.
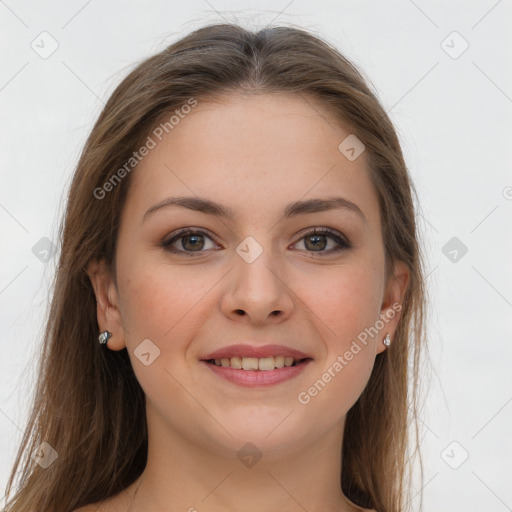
(284, 255)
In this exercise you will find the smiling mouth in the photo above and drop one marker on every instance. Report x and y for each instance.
(257, 363)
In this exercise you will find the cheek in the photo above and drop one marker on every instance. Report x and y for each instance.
(346, 300)
(165, 306)
(344, 303)
(158, 298)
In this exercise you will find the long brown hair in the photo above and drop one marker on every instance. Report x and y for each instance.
(88, 404)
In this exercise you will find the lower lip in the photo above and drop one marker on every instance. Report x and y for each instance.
(256, 378)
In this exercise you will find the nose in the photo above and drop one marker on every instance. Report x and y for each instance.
(257, 292)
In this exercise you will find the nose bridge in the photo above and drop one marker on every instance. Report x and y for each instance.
(257, 268)
(256, 288)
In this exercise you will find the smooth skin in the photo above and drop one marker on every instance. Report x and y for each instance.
(254, 155)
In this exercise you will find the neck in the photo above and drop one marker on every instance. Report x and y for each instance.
(186, 476)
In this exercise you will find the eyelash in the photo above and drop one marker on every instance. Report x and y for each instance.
(341, 240)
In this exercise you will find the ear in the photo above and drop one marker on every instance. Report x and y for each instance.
(107, 303)
(391, 308)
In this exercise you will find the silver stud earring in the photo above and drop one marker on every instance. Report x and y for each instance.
(104, 337)
(387, 340)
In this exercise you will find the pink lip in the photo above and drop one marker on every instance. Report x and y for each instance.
(255, 378)
(254, 351)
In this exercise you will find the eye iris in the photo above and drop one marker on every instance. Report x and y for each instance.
(192, 242)
(318, 242)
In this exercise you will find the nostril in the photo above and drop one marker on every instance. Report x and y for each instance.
(240, 312)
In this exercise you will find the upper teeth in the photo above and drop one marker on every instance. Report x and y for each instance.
(255, 363)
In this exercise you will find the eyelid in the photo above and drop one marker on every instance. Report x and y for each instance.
(343, 242)
(190, 230)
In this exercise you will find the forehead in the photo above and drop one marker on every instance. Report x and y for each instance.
(242, 150)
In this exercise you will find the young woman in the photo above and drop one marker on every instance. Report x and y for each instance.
(239, 300)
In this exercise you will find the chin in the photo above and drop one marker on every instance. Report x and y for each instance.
(270, 432)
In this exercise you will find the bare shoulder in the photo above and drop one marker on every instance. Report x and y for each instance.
(117, 503)
(353, 507)
(98, 507)
(101, 506)
(356, 508)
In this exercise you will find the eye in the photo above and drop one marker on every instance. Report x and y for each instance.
(324, 240)
(194, 240)
(189, 240)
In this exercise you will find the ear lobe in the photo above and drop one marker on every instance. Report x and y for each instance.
(391, 308)
(107, 309)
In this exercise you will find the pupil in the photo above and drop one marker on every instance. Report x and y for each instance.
(192, 242)
(318, 242)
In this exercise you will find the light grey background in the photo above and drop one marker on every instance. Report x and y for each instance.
(454, 120)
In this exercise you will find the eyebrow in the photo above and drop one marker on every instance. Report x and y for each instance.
(296, 208)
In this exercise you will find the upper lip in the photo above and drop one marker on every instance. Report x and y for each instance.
(255, 351)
